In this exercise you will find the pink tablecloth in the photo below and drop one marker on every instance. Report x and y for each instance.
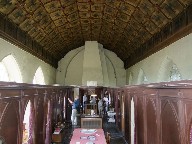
(77, 134)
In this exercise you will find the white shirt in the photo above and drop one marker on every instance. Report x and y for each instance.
(84, 98)
(105, 99)
(100, 103)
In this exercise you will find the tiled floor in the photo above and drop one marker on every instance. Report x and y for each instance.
(116, 135)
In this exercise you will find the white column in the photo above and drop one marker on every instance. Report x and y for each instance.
(92, 70)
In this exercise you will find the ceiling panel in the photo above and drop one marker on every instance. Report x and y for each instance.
(61, 25)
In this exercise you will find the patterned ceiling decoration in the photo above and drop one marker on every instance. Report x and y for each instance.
(122, 26)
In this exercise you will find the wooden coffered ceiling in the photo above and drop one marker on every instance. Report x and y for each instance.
(51, 28)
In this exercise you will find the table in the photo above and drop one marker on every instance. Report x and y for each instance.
(57, 136)
(99, 136)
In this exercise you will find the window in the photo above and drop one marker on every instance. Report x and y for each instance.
(26, 124)
(132, 121)
(3, 73)
(39, 77)
(9, 70)
(174, 73)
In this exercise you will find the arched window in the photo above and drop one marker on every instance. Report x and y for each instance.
(3, 73)
(26, 123)
(39, 77)
(142, 79)
(132, 121)
(174, 73)
(130, 78)
(9, 70)
(169, 71)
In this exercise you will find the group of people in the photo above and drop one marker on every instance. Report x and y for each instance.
(102, 104)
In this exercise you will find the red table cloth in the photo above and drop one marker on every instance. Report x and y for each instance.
(85, 138)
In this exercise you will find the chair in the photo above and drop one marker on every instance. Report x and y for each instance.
(91, 123)
(57, 138)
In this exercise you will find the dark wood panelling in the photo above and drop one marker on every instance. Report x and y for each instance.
(163, 113)
(39, 121)
(13, 100)
(140, 121)
(189, 16)
(10, 126)
(170, 125)
(21, 36)
(127, 115)
(10, 29)
(151, 121)
(2, 23)
(29, 42)
(180, 22)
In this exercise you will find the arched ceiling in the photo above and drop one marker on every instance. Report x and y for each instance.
(57, 26)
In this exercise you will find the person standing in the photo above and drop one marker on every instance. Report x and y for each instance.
(106, 102)
(100, 106)
(84, 101)
(75, 106)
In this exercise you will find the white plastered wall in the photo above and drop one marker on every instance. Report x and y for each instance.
(70, 68)
(27, 63)
(118, 66)
(75, 70)
(71, 65)
(157, 67)
(104, 66)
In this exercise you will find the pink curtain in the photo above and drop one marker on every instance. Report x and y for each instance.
(48, 125)
(31, 124)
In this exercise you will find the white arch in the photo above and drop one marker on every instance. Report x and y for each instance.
(39, 77)
(142, 79)
(11, 66)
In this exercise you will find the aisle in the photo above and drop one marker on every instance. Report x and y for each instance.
(116, 136)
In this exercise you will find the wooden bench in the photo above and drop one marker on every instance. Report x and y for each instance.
(91, 122)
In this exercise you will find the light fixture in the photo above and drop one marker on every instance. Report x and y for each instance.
(92, 92)
(94, 95)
